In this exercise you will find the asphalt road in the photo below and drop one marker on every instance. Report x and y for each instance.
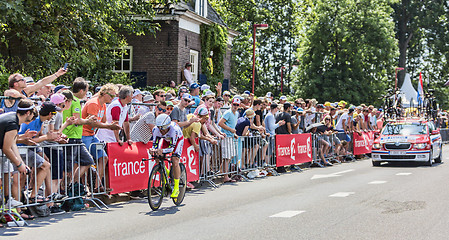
(346, 201)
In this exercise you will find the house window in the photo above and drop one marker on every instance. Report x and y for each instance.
(123, 59)
(201, 7)
(194, 62)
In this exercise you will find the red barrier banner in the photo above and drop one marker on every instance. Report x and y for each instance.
(293, 149)
(363, 143)
(191, 160)
(128, 173)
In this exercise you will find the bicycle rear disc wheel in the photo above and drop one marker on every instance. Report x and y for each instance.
(182, 185)
(156, 189)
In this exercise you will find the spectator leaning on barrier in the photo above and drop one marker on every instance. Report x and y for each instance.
(35, 156)
(179, 112)
(227, 124)
(117, 111)
(96, 107)
(285, 115)
(74, 132)
(19, 89)
(9, 128)
(142, 130)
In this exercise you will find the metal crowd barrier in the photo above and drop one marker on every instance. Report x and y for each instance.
(53, 176)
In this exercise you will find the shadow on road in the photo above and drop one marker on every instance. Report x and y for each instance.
(408, 164)
(164, 211)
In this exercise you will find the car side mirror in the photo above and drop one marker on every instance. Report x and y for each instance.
(435, 132)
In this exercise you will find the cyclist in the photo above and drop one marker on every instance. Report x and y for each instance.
(172, 134)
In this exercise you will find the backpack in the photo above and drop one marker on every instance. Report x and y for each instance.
(40, 210)
(75, 204)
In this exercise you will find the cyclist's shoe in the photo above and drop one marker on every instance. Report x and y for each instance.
(175, 193)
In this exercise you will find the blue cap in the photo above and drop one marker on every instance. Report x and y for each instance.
(59, 87)
(300, 110)
(194, 86)
(247, 92)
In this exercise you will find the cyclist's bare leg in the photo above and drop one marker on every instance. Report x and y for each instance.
(175, 167)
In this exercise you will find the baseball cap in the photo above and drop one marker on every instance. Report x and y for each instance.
(28, 80)
(57, 98)
(137, 92)
(300, 110)
(48, 107)
(283, 98)
(59, 87)
(169, 103)
(148, 97)
(268, 94)
(208, 93)
(219, 99)
(236, 100)
(203, 111)
(320, 106)
(247, 92)
(250, 113)
(194, 86)
(327, 104)
(204, 87)
(187, 96)
(226, 93)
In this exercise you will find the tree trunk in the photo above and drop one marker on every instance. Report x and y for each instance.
(404, 37)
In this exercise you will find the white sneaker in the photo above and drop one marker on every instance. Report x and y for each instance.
(14, 203)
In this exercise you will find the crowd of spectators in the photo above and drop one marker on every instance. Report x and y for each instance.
(116, 113)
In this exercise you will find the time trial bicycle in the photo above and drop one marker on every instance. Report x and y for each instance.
(160, 182)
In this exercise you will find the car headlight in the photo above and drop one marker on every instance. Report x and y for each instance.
(377, 145)
(420, 145)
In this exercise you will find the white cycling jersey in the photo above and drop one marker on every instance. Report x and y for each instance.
(173, 137)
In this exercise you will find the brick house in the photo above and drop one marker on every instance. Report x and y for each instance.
(157, 59)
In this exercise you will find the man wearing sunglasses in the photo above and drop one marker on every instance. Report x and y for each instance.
(142, 131)
(18, 88)
(95, 109)
(172, 134)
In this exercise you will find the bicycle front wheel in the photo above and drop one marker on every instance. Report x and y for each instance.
(182, 185)
(156, 189)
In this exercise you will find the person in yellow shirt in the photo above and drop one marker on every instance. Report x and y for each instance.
(193, 131)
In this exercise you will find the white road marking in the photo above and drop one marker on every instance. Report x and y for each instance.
(403, 174)
(377, 182)
(286, 214)
(337, 174)
(341, 194)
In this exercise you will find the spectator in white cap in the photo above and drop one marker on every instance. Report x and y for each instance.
(204, 88)
(269, 95)
(282, 99)
(134, 114)
(226, 99)
(147, 99)
(179, 113)
(29, 81)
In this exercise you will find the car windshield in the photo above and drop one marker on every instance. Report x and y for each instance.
(404, 129)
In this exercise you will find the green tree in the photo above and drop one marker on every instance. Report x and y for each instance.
(275, 46)
(423, 33)
(38, 37)
(347, 50)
